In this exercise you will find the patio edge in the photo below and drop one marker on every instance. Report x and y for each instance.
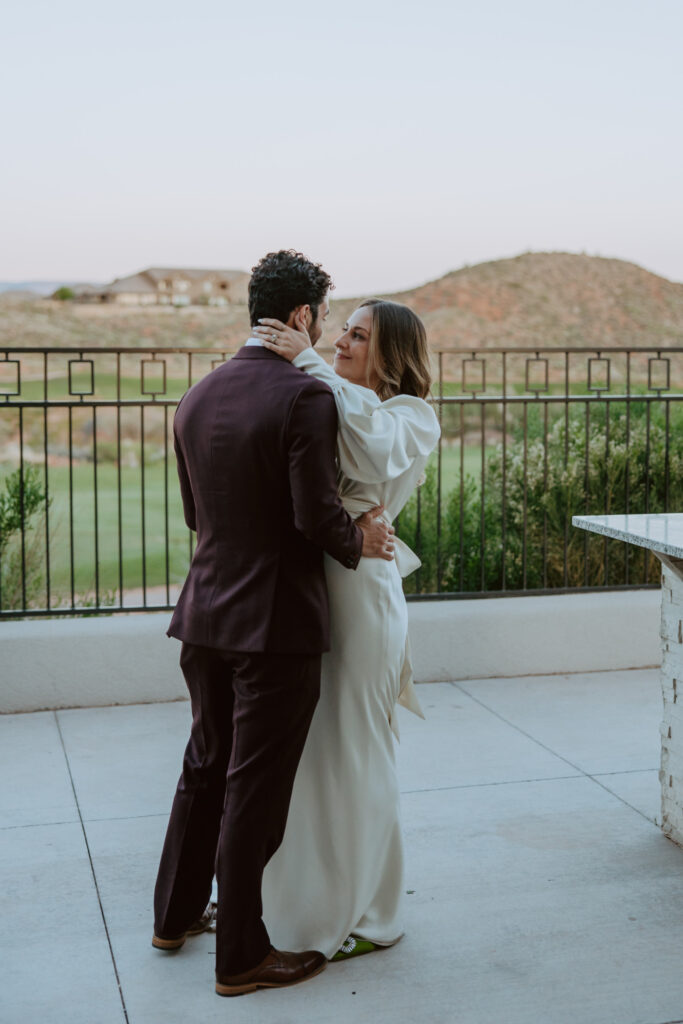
(128, 659)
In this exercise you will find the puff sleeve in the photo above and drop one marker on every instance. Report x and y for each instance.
(377, 441)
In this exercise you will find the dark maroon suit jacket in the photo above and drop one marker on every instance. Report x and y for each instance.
(255, 442)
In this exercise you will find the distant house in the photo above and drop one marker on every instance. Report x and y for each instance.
(174, 286)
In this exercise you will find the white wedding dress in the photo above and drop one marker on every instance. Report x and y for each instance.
(339, 870)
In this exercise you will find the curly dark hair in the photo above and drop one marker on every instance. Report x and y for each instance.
(283, 280)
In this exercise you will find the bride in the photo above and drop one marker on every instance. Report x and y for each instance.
(336, 882)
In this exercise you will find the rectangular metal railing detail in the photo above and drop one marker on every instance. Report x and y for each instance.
(90, 512)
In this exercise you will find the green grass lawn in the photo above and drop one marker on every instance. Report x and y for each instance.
(89, 510)
(143, 521)
(84, 515)
(451, 469)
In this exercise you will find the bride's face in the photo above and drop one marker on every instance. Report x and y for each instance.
(351, 349)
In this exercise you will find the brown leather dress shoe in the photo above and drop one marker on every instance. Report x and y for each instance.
(202, 924)
(277, 970)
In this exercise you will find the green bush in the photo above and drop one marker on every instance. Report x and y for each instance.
(21, 494)
(526, 536)
(64, 294)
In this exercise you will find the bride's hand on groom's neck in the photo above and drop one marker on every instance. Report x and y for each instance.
(288, 341)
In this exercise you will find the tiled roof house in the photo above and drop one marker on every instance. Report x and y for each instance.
(177, 286)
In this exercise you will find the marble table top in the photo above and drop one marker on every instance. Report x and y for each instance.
(663, 533)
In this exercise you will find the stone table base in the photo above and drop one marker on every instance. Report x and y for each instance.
(671, 771)
(663, 535)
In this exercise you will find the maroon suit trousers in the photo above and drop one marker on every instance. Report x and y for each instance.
(251, 714)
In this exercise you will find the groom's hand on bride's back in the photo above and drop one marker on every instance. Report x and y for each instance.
(378, 537)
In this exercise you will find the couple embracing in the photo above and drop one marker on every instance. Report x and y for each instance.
(294, 631)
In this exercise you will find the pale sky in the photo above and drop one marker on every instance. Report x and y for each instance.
(392, 141)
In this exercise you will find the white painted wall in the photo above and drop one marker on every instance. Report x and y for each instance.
(128, 659)
(519, 636)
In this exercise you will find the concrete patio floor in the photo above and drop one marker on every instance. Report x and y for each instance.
(540, 890)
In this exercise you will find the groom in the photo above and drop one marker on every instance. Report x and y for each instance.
(255, 444)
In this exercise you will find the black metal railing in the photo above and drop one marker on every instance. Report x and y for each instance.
(90, 513)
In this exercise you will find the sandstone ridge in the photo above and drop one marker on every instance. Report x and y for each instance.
(546, 299)
(532, 300)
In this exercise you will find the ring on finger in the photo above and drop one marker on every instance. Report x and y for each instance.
(273, 337)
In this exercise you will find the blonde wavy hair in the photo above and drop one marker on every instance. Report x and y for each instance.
(398, 351)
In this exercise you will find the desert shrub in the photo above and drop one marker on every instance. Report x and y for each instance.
(21, 575)
(527, 538)
(417, 527)
(64, 294)
(457, 551)
(22, 499)
(15, 507)
(579, 471)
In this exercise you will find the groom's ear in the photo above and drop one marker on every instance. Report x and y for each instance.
(308, 316)
(291, 319)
